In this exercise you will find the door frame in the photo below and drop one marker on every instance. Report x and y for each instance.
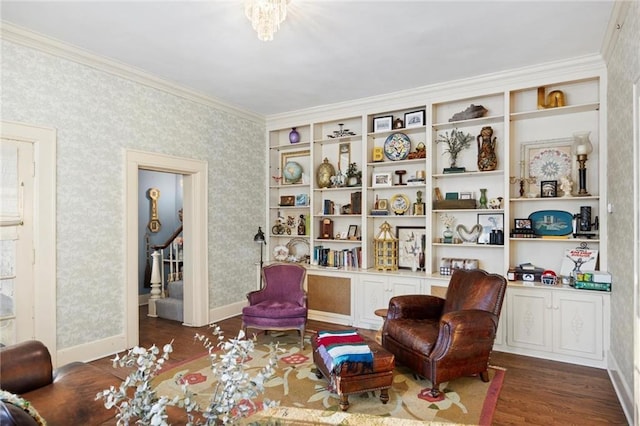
(195, 226)
(44, 222)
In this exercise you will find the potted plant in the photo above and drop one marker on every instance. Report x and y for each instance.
(137, 402)
(354, 175)
(456, 142)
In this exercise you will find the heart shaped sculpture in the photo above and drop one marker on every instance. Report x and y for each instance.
(469, 236)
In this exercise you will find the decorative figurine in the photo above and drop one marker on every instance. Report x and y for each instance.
(566, 186)
(302, 229)
(487, 159)
(472, 111)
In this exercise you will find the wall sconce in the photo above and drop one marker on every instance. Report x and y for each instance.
(259, 238)
(582, 148)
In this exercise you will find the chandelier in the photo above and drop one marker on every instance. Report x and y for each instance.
(266, 16)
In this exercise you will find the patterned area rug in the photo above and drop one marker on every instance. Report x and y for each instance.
(467, 400)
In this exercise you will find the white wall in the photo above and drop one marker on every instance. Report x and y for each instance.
(97, 116)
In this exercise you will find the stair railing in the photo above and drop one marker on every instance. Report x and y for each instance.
(158, 285)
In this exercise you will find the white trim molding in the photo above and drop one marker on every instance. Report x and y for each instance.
(195, 231)
(44, 239)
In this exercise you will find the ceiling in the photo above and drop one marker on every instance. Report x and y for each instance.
(325, 51)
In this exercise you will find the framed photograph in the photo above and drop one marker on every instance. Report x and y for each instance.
(411, 242)
(302, 158)
(520, 224)
(489, 222)
(548, 188)
(381, 179)
(414, 119)
(548, 159)
(465, 195)
(383, 204)
(287, 200)
(353, 232)
(302, 200)
(382, 124)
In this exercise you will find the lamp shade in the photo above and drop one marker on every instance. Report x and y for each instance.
(581, 143)
(259, 237)
(385, 249)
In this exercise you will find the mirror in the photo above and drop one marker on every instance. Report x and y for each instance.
(344, 157)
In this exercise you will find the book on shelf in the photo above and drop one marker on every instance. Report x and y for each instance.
(578, 259)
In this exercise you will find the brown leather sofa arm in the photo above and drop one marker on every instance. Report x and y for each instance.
(469, 331)
(415, 306)
(25, 366)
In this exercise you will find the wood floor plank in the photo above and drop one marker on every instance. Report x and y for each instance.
(535, 391)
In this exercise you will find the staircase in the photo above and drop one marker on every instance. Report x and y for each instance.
(171, 307)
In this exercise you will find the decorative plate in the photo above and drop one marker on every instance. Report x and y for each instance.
(552, 222)
(280, 253)
(399, 204)
(298, 249)
(397, 146)
(550, 164)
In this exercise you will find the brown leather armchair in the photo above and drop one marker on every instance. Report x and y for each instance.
(443, 339)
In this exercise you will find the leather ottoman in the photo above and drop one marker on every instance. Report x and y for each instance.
(356, 377)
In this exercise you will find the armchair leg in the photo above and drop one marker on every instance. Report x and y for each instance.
(301, 331)
(485, 376)
(434, 392)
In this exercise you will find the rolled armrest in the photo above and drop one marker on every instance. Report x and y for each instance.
(25, 366)
(415, 306)
(467, 331)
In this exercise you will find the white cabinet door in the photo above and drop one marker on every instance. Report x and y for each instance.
(578, 324)
(529, 319)
(400, 286)
(374, 294)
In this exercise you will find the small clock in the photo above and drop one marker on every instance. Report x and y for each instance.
(399, 204)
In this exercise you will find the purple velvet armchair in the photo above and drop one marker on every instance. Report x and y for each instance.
(281, 304)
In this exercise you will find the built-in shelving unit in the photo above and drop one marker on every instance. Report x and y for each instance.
(395, 182)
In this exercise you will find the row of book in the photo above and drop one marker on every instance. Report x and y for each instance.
(345, 258)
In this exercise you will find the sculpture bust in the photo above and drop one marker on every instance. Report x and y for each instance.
(566, 186)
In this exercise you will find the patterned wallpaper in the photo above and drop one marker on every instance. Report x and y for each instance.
(97, 115)
(623, 68)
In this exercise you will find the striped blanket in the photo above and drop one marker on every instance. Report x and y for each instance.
(338, 347)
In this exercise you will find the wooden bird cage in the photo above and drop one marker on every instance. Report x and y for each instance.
(385, 249)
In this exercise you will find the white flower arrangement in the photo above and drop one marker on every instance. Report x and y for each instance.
(231, 397)
(448, 221)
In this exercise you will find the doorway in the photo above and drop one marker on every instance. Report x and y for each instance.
(195, 272)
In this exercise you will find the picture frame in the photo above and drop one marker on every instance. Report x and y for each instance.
(382, 124)
(301, 157)
(550, 159)
(383, 204)
(522, 224)
(465, 195)
(381, 179)
(302, 200)
(489, 222)
(287, 200)
(548, 189)
(411, 240)
(352, 234)
(414, 119)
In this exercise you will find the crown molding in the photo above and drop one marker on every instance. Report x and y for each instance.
(619, 14)
(18, 35)
(515, 79)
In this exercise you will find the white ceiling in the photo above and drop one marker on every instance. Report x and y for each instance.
(326, 51)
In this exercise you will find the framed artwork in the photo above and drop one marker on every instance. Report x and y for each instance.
(302, 158)
(489, 222)
(548, 160)
(548, 188)
(520, 224)
(381, 179)
(411, 242)
(382, 204)
(353, 232)
(302, 200)
(414, 119)
(382, 124)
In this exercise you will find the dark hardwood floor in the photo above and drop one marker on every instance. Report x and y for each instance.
(535, 391)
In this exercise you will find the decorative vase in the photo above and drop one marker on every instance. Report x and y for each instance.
(487, 159)
(483, 198)
(324, 174)
(448, 235)
(294, 136)
(414, 265)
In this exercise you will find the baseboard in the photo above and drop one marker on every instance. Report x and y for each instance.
(91, 351)
(227, 311)
(143, 299)
(622, 388)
